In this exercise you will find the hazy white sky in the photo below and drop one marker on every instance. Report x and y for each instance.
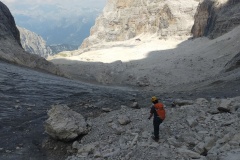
(40, 6)
(67, 3)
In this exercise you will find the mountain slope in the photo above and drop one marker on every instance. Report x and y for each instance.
(147, 61)
(11, 49)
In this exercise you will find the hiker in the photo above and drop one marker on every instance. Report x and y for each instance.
(158, 111)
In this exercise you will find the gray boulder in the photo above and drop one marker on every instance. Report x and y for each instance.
(65, 124)
(123, 119)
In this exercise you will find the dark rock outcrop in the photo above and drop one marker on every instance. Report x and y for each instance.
(215, 18)
(234, 63)
(8, 27)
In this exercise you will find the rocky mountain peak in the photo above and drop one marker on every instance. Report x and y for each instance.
(126, 19)
(34, 43)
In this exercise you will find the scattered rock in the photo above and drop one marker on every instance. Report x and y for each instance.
(106, 109)
(222, 109)
(192, 121)
(209, 143)
(188, 132)
(17, 107)
(87, 149)
(123, 119)
(135, 105)
(199, 148)
(8, 151)
(76, 145)
(180, 102)
(189, 153)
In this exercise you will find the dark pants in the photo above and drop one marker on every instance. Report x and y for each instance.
(156, 122)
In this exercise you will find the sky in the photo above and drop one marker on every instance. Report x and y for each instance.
(51, 8)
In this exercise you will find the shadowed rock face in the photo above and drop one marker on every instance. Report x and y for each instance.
(125, 19)
(234, 63)
(216, 17)
(8, 27)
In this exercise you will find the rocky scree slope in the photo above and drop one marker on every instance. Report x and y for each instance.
(11, 49)
(124, 19)
(193, 129)
(185, 67)
(33, 43)
(214, 18)
(190, 63)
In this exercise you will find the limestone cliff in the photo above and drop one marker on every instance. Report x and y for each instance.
(33, 43)
(126, 19)
(216, 17)
(11, 49)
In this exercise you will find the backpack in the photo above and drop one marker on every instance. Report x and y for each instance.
(160, 110)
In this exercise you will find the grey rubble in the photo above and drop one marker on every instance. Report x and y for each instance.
(213, 135)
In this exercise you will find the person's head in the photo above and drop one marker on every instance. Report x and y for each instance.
(154, 99)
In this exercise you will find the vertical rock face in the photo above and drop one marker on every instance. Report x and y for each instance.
(125, 19)
(11, 49)
(216, 17)
(33, 43)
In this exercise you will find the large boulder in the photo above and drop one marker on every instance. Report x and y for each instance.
(65, 124)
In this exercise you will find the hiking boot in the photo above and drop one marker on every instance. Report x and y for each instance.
(155, 139)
